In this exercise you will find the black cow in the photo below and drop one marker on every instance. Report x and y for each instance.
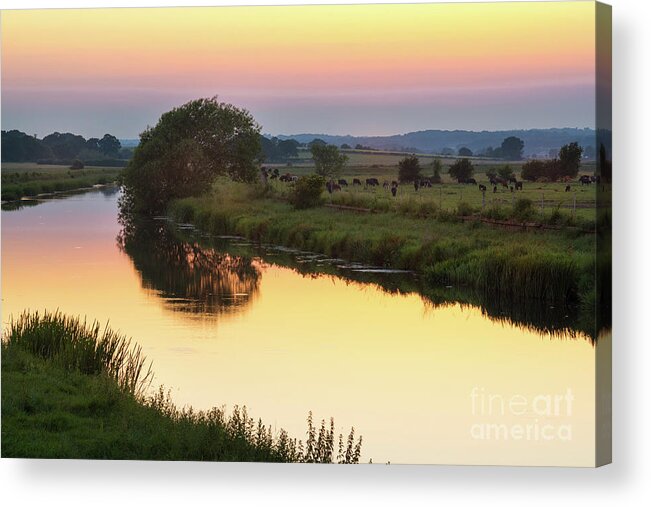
(356, 181)
(585, 180)
(518, 185)
(513, 179)
(425, 183)
(482, 188)
(372, 182)
(394, 188)
(416, 185)
(568, 188)
(343, 183)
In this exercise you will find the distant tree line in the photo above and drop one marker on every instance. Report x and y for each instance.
(66, 148)
(276, 150)
(565, 166)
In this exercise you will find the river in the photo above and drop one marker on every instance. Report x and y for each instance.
(228, 323)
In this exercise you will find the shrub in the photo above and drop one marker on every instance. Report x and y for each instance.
(464, 209)
(523, 209)
(307, 191)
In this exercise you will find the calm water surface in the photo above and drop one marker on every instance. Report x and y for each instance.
(225, 324)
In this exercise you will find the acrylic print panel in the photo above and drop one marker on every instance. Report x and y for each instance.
(365, 233)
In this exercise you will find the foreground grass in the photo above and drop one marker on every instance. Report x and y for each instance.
(29, 180)
(549, 266)
(56, 403)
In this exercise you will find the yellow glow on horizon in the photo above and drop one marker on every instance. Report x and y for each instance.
(349, 45)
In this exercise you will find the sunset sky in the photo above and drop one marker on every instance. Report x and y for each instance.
(363, 69)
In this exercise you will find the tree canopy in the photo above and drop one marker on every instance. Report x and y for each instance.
(511, 148)
(570, 158)
(461, 170)
(189, 146)
(328, 160)
(409, 169)
(465, 152)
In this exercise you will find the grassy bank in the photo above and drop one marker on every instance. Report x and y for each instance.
(549, 266)
(28, 180)
(75, 391)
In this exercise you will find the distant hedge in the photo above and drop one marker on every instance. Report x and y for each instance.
(109, 162)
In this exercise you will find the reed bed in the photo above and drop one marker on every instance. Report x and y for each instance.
(77, 345)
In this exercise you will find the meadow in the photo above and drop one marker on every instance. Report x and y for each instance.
(29, 179)
(415, 233)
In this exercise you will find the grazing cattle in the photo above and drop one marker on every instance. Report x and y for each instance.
(343, 183)
(467, 181)
(394, 188)
(513, 179)
(416, 185)
(585, 180)
(293, 178)
(356, 181)
(518, 185)
(482, 188)
(568, 188)
(372, 182)
(286, 177)
(493, 181)
(394, 183)
(425, 183)
(385, 184)
(505, 184)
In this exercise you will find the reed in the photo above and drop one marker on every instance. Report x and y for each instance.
(73, 390)
(77, 345)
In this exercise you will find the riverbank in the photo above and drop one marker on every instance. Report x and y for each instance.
(30, 180)
(551, 266)
(73, 391)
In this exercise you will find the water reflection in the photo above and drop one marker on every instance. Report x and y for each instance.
(186, 276)
(213, 275)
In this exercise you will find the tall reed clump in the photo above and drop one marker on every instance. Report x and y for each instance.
(77, 345)
(513, 272)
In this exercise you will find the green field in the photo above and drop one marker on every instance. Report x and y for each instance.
(29, 179)
(412, 234)
(551, 201)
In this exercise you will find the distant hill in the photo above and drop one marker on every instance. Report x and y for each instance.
(537, 142)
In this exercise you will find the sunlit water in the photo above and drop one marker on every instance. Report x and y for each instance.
(421, 383)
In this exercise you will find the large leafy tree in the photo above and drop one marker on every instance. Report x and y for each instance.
(108, 145)
(409, 169)
(327, 159)
(187, 148)
(461, 170)
(570, 157)
(511, 148)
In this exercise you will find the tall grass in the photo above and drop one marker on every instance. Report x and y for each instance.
(134, 425)
(76, 345)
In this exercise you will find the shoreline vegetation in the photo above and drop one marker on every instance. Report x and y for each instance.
(79, 391)
(32, 180)
(551, 266)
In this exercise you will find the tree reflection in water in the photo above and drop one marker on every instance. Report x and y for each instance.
(188, 277)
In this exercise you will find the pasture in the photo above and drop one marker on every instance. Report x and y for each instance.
(551, 201)
(30, 179)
